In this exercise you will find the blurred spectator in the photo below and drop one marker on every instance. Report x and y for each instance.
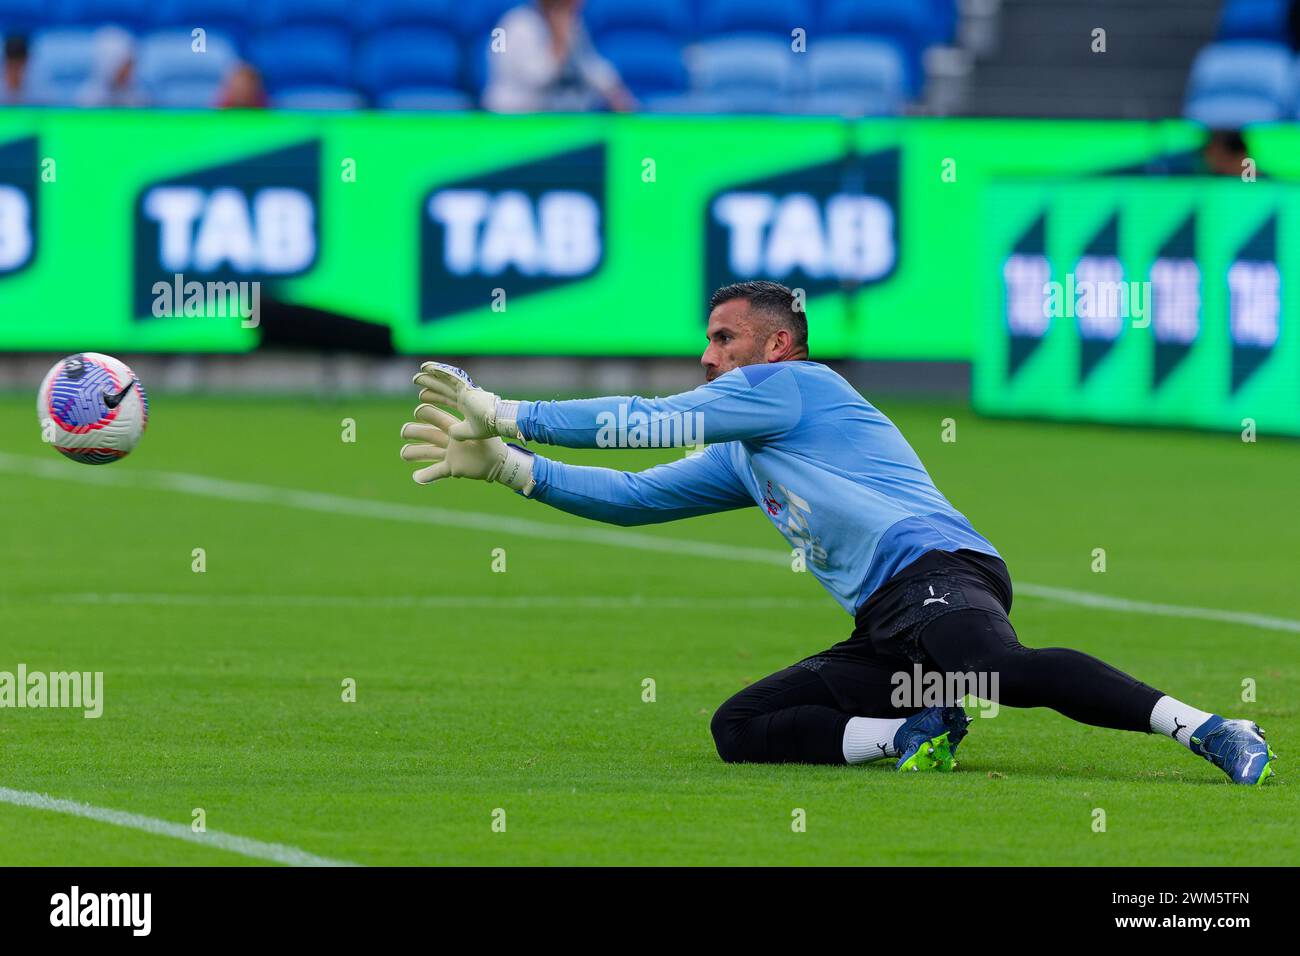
(112, 73)
(549, 63)
(243, 89)
(1224, 153)
(11, 91)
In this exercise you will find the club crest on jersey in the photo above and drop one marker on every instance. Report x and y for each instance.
(793, 518)
(770, 503)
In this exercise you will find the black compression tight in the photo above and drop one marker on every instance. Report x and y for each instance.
(1070, 682)
(799, 714)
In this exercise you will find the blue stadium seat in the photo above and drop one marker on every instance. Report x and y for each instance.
(649, 63)
(1238, 82)
(23, 16)
(1254, 20)
(746, 17)
(475, 20)
(60, 61)
(418, 98)
(184, 95)
(408, 58)
(643, 41)
(693, 103)
(439, 14)
(318, 98)
(878, 17)
(173, 75)
(903, 23)
(941, 22)
(1229, 111)
(671, 17)
(342, 14)
(476, 66)
(232, 19)
(303, 56)
(133, 15)
(741, 75)
(855, 77)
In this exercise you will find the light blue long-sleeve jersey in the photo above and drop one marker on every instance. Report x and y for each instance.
(832, 473)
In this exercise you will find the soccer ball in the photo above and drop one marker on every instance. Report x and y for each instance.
(92, 408)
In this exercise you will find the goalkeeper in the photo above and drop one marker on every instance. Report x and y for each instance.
(841, 483)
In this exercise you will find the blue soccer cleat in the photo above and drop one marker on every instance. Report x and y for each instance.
(928, 740)
(1236, 747)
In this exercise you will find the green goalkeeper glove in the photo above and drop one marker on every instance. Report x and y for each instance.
(490, 459)
(486, 415)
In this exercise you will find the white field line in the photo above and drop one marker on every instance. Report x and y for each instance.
(368, 508)
(1124, 605)
(627, 602)
(204, 486)
(274, 852)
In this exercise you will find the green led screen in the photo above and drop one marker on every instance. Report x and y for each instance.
(475, 233)
(1158, 301)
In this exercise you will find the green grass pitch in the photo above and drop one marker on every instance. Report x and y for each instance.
(522, 690)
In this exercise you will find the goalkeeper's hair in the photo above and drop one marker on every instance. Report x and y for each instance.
(772, 300)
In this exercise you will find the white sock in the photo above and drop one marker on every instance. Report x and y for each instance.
(870, 738)
(1175, 719)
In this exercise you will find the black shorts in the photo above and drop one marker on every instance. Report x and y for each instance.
(860, 672)
(890, 622)
(946, 613)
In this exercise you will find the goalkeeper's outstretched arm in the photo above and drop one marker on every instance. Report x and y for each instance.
(752, 402)
(702, 483)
